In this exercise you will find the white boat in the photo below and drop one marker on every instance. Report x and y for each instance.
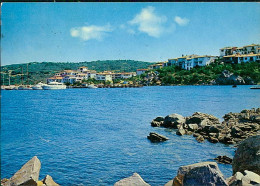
(92, 86)
(22, 87)
(54, 86)
(38, 86)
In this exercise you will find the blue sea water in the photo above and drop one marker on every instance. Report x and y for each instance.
(98, 136)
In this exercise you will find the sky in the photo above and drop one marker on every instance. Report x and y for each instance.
(152, 32)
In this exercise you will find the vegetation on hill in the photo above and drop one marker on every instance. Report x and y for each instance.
(199, 75)
(39, 71)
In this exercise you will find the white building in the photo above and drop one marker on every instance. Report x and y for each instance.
(248, 49)
(103, 76)
(126, 75)
(226, 51)
(83, 69)
(238, 58)
(140, 71)
(198, 61)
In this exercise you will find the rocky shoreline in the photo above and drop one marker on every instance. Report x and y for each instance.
(235, 127)
(241, 129)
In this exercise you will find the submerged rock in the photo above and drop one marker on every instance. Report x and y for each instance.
(28, 175)
(205, 173)
(154, 137)
(134, 180)
(247, 156)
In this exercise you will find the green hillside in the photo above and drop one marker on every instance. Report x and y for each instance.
(39, 71)
(201, 75)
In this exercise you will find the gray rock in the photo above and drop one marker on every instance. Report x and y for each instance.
(28, 175)
(173, 120)
(154, 137)
(192, 127)
(134, 180)
(202, 119)
(181, 131)
(247, 156)
(48, 181)
(159, 118)
(205, 173)
(200, 138)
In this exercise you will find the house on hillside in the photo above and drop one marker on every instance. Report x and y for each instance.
(239, 58)
(156, 66)
(198, 61)
(140, 71)
(248, 49)
(226, 51)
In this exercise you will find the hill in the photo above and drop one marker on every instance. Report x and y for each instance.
(39, 71)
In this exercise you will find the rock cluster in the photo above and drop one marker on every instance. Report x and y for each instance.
(154, 137)
(28, 175)
(235, 127)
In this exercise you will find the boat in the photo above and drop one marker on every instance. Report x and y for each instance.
(92, 86)
(54, 86)
(234, 86)
(38, 86)
(255, 87)
(22, 87)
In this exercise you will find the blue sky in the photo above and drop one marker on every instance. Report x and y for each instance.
(152, 32)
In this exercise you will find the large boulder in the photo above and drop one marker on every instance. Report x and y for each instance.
(173, 121)
(247, 156)
(28, 175)
(134, 180)
(202, 119)
(154, 137)
(205, 173)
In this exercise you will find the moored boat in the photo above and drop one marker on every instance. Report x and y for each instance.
(255, 87)
(54, 86)
(92, 86)
(38, 86)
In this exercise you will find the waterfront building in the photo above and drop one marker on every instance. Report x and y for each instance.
(104, 76)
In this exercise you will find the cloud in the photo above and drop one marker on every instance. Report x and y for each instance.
(181, 21)
(149, 22)
(90, 32)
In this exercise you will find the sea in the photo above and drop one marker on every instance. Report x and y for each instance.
(99, 136)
